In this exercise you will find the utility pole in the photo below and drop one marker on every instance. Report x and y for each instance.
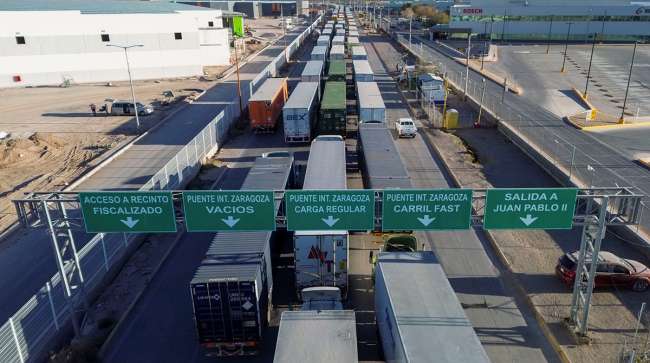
(505, 89)
(128, 69)
(566, 47)
(469, 47)
(410, 21)
(550, 34)
(241, 106)
(591, 57)
(621, 120)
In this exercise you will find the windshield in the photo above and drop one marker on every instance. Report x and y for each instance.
(628, 264)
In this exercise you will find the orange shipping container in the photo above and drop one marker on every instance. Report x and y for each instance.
(265, 106)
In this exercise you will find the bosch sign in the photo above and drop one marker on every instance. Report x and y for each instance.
(472, 11)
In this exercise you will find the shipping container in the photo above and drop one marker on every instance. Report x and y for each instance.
(353, 42)
(319, 52)
(418, 314)
(321, 257)
(362, 71)
(381, 162)
(265, 106)
(431, 88)
(324, 336)
(328, 32)
(339, 32)
(337, 71)
(359, 53)
(332, 116)
(230, 324)
(313, 71)
(299, 113)
(371, 104)
(237, 274)
(337, 52)
(338, 40)
(353, 33)
(323, 41)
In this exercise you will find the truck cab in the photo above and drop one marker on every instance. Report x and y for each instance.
(321, 298)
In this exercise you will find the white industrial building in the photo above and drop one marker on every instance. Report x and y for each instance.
(51, 42)
(614, 20)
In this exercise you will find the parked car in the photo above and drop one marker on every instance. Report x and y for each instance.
(405, 127)
(119, 107)
(610, 271)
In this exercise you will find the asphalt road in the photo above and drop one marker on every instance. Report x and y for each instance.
(505, 327)
(27, 259)
(161, 327)
(595, 162)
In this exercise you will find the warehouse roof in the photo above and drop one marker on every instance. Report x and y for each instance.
(97, 6)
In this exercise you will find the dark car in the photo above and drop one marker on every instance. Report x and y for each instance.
(610, 271)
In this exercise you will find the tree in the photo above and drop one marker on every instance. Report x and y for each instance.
(408, 12)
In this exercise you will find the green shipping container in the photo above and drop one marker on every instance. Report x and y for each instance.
(238, 26)
(332, 116)
(336, 71)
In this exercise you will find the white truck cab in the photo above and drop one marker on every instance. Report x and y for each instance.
(405, 127)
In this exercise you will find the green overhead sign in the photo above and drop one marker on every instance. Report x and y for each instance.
(411, 209)
(530, 208)
(317, 210)
(137, 212)
(211, 211)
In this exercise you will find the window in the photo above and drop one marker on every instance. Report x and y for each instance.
(620, 270)
(106, 38)
(601, 267)
(211, 24)
(20, 40)
(178, 36)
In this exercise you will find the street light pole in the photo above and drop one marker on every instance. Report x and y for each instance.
(410, 21)
(591, 57)
(621, 120)
(128, 69)
(548, 39)
(469, 47)
(566, 47)
(241, 106)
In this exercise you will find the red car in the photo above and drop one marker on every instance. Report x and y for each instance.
(610, 271)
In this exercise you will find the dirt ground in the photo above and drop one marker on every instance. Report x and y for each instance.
(53, 136)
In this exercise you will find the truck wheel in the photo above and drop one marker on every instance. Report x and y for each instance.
(640, 285)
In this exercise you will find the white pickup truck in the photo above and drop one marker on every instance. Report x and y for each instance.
(405, 127)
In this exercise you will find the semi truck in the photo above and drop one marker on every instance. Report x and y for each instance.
(371, 104)
(299, 113)
(332, 117)
(265, 105)
(321, 257)
(419, 317)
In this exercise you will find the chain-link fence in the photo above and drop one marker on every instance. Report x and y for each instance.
(32, 328)
(570, 155)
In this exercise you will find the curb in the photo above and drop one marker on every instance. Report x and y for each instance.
(136, 300)
(586, 102)
(516, 284)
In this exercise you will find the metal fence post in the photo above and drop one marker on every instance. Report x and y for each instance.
(55, 318)
(101, 237)
(13, 332)
(126, 240)
(178, 169)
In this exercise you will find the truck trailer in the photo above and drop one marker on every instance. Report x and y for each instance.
(337, 52)
(299, 113)
(265, 106)
(336, 71)
(362, 71)
(231, 291)
(321, 257)
(317, 336)
(332, 117)
(371, 104)
(419, 317)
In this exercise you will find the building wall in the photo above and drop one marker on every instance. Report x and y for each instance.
(613, 19)
(62, 45)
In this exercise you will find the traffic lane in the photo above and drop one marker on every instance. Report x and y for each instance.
(507, 333)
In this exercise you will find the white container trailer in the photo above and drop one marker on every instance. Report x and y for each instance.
(313, 71)
(299, 113)
(321, 257)
(317, 337)
(327, 31)
(319, 52)
(359, 53)
(371, 104)
(323, 40)
(338, 52)
(362, 71)
(353, 33)
(419, 317)
(338, 40)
